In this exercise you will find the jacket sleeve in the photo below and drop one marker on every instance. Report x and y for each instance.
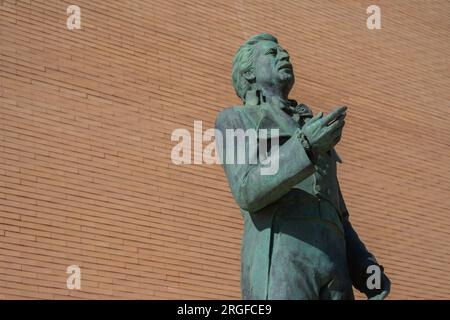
(358, 257)
(251, 189)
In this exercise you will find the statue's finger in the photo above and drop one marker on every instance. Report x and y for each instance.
(338, 124)
(334, 115)
(383, 294)
(317, 116)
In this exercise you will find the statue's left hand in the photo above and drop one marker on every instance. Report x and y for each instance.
(383, 292)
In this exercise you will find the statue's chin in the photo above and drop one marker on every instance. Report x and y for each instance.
(286, 74)
(287, 78)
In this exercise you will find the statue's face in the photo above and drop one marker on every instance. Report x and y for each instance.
(273, 70)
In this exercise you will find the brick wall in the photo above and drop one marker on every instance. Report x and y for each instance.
(86, 118)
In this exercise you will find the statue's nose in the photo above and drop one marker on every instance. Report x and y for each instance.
(283, 56)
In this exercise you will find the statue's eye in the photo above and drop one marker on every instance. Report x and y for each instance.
(272, 52)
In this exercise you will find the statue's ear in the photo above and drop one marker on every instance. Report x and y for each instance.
(249, 76)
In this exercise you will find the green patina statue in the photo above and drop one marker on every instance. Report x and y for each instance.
(298, 242)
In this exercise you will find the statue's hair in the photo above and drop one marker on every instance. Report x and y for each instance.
(243, 62)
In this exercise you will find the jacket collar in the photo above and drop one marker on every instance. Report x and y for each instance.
(272, 113)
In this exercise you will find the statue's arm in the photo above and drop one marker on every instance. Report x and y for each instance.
(252, 190)
(359, 258)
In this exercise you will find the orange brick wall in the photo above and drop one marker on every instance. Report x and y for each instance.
(86, 118)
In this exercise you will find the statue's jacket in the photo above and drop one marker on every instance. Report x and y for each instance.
(296, 224)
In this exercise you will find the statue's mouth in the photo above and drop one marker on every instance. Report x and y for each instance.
(285, 66)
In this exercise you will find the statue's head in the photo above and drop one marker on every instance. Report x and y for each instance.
(261, 63)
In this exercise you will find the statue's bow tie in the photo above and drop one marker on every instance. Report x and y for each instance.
(265, 109)
(297, 110)
(292, 108)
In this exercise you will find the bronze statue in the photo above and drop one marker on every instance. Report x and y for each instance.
(298, 242)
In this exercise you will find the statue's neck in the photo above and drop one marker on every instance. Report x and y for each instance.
(261, 96)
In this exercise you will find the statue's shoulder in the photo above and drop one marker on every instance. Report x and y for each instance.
(229, 117)
(232, 111)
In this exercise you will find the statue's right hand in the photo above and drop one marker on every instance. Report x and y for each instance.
(323, 133)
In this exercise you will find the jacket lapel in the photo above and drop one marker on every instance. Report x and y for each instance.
(266, 116)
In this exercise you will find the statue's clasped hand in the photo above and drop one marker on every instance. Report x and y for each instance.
(324, 132)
